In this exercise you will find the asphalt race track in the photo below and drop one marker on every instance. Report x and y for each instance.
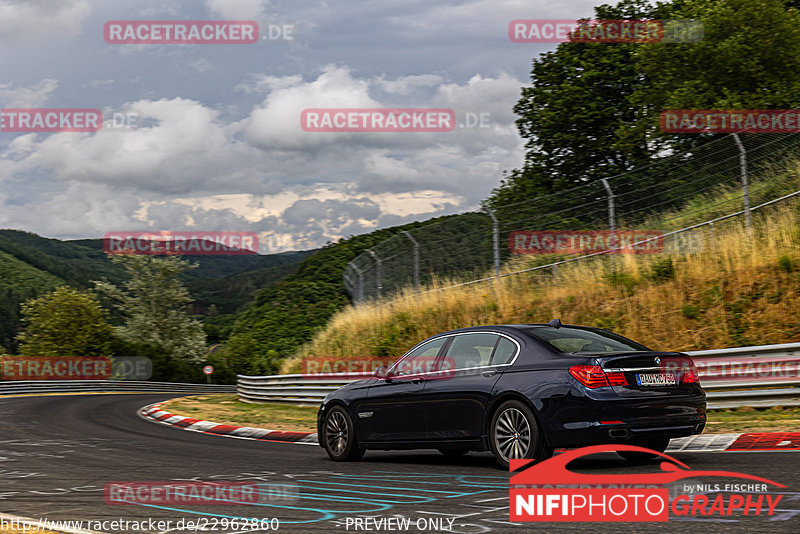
(57, 453)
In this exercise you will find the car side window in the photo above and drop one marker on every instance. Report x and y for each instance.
(504, 352)
(470, 350)
(420, 360)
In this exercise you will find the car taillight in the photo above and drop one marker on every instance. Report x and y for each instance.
(617, 378)
(684, 368)
(593, 376)
(689, 373)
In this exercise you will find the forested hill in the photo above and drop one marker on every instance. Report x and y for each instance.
(286, 314)
(31, 265)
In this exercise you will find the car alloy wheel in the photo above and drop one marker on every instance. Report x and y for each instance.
(336, 433)
(514, 434)
(339, 436)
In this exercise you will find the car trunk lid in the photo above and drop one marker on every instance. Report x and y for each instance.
(650, 373)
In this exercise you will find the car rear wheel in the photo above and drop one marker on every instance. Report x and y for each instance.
(339, 436)
(656, 444)
(515, 434)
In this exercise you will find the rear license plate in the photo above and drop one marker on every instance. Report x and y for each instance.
(656, 379)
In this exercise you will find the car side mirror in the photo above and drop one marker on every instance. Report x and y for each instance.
(382, 372)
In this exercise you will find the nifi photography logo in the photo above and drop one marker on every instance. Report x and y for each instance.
(550, 492)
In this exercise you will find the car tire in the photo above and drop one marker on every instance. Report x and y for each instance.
(515, 433)
(656, 444)
(339, 437)
(453, 453)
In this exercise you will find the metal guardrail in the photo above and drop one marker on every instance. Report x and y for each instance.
(760, 376)
(22, 387)
(297, 389)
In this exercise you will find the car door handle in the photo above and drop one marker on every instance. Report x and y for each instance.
(489, 374)
(416, 380)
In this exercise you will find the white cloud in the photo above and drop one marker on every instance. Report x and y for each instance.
(188, 165)
(27, 97)
(31, 19)
(178, 145)
(237, 9)
(276, 123)
(407, 84)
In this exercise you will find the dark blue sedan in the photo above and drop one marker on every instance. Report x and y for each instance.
(520, 391)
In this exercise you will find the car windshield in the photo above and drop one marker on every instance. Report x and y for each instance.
(574, 340)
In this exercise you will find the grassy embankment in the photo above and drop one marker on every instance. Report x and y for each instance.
(740, 289)
(722, 289)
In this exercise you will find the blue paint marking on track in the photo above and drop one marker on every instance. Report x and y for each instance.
(377, 493)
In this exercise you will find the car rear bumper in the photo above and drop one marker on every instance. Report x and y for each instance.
(611, 419)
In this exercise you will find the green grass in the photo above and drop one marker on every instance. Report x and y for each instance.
(227, 409)
(747, 419)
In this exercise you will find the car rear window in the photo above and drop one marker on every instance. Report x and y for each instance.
(504, 353)
(577, 340)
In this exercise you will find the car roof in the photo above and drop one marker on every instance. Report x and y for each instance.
(501, 327)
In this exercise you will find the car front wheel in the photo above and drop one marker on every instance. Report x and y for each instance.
(339, 436)
(515, 434)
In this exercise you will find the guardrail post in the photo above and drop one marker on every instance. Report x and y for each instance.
(745, 182)
(416, 258)
(377, 271)
(495, 241)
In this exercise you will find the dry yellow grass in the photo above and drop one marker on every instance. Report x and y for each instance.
(740, 289)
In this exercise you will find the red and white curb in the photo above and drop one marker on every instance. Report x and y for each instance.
(154, 413)
(751, 441)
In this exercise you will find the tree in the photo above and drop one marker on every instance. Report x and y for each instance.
(748, 58)
(570, 116)
(65, 322)
(592, 110)
(154, 304)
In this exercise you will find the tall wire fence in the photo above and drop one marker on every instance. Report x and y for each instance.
(651, 209)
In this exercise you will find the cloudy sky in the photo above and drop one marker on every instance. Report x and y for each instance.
(215, 142)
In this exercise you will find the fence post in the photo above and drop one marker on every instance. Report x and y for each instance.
(360, 290)
(495, 241)
(611, 210)
(416, 258)
(377, 270)
(745, 182)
